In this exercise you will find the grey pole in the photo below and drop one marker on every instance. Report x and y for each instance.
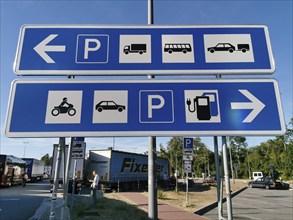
(56, 178)
(68, 164)
(177, 173)
(218, 176)
(186, 199)
(231, 161)
(227, 179)
(150, 12)
(25, 142)
(219, 199)
(152, 186)
(73, 183)
(64, 167)
(152, 189)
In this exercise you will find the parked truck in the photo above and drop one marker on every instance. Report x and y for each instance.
(123, 171)
(11, 170)
(78, 155)
(34, 169)
(135, 48)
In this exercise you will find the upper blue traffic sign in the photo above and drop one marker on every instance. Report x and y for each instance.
(76, 108)
(141, 50)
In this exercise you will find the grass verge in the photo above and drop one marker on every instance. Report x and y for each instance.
(108, 208)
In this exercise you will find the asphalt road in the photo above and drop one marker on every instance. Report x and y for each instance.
(19, 203)
(259, 204)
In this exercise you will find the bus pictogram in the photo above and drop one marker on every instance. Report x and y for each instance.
(184, 48)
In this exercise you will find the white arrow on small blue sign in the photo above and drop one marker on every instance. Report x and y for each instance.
(80, 108)
(141, 50)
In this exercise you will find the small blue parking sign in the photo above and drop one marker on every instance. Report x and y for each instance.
(92, 48)
(188, 143)
(156, 106)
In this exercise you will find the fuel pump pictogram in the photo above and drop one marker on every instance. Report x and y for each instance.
(202, 105)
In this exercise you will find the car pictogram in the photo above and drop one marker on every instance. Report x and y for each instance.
(109, 105)
(222, 47)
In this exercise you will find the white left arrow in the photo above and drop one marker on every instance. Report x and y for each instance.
(42, 48)
(256, 105)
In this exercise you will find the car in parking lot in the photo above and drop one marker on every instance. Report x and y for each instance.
(266, 182)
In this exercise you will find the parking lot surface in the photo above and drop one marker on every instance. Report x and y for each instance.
(256, 203)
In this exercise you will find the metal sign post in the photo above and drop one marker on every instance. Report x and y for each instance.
(187, 158)
(68, 164)
(152, 182)
(227, 179)
(56, 178)
(73, 183)
(218, 177)
(186, 199)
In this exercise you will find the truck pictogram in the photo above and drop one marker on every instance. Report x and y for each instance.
(135, 48)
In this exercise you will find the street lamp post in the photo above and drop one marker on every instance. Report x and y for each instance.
(25, 142)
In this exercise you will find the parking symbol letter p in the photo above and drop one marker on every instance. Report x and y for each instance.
(152, 106)
(92, 48)
(156, 106)
(87, 47)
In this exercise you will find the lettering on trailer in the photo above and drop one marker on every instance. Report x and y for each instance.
(126, 50)
(133, 167)
(144, 108)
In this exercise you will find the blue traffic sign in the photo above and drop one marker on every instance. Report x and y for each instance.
(80, 108)
(141, 50)
(188, 143)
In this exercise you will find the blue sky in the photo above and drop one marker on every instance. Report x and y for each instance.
(276, 14)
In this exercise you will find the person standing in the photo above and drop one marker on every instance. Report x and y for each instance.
(94, 186)
(24, 179)
(166, 180)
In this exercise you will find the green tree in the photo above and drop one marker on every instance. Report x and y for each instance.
(274, 157)
(174, 152)
(47, 159)
(203, 158)
(239, 151)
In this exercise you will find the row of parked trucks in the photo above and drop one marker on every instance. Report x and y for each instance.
(13, 168)
(117, 170)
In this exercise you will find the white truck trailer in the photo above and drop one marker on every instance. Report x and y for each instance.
(34, 169)
(123, 171)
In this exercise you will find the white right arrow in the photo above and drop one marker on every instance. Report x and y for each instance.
(42, 48)
(256, 105)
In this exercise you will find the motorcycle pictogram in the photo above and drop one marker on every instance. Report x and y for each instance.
(62, 109)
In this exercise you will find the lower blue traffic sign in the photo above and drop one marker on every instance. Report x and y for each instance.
(52, 108)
